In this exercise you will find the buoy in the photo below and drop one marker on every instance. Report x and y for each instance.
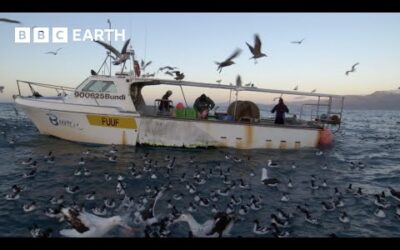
(326, 137)
(180, 106)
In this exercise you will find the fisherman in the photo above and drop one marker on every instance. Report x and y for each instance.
(165, 103)
(203, 105)
(280, 110)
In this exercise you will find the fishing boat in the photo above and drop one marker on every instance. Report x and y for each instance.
(110, 109)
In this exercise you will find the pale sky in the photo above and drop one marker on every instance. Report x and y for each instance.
(193, 41)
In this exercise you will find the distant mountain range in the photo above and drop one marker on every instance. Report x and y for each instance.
(379, 100)
(385, 100)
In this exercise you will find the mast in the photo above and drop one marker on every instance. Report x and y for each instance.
(109, 26)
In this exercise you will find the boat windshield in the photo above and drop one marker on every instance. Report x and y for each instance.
(100, 86)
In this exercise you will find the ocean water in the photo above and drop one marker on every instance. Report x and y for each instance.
(369, 137)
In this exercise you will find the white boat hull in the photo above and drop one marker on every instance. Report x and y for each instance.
(97, 128)
(198, 133)
(109, 126)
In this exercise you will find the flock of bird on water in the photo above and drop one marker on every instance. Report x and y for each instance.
(235, 193)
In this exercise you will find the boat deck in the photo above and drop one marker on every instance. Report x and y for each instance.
(152, 112)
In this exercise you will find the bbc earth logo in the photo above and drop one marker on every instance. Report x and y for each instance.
(64, 35)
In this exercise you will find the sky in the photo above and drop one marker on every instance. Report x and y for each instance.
(333, 42)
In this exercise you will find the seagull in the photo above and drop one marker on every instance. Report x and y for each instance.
(167, 67)
(219, 81)
(353, 68)
(89, 225)
(268, 181)
(256, 50)
(298, 42)
(296, 88)
(1, 89)
(6, 20)
(169, 73)
(179, 76)
(53, 52)
(122, 56)
(228, 61)
(144, 65)
(250, 84)
(313, 91)
(238, 81)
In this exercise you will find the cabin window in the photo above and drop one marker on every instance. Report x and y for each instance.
(100, 86)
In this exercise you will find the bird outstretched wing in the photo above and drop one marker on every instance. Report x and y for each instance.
(250, 48)
(9, 20)
(235, 54)
(354, 66)
(109, 47)
(257, 43)
(123, 51)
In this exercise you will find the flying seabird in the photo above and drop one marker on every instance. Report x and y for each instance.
(144, 65)
(53, 52)
(1, 89)
(296, 88)
(228, 61)
(353, 68)
(6, 20)
(298, 42)
(313, 91)
(256, 50)
(122, 56)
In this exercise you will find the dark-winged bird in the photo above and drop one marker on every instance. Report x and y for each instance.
(256, 50)
(93, 73)
(1, 89)
(228, 61)
(353, 68)
(167, 67)
(144, 65)
(6, 20)
(298, 42)
(178, 75)
(53, 52)
(120, 57)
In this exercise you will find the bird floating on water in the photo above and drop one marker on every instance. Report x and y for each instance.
(256, 50)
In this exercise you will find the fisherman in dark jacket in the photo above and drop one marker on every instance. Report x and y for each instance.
(164, 103)
(203, 105)
(280, 110)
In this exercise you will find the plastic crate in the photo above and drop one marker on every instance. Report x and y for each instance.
(190, 113)
(180, 113)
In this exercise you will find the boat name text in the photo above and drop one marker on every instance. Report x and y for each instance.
(105, 96)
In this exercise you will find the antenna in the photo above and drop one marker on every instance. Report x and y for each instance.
(145, 42)
(109, 26)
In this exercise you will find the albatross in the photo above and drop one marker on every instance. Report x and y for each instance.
(88, 225)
